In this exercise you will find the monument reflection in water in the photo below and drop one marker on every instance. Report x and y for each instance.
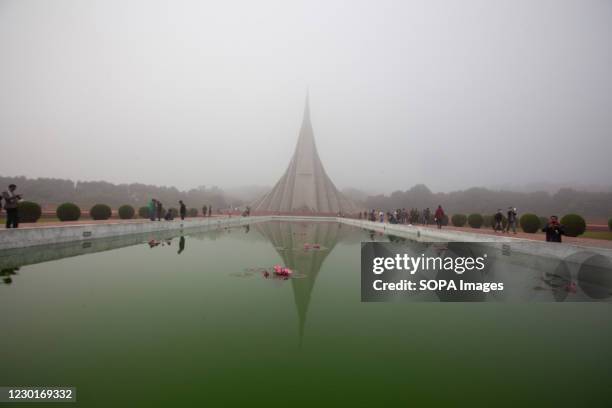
(294, 243)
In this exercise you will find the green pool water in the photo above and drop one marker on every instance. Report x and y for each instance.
(141, 326)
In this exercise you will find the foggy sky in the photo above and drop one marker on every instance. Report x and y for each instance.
(452, 94)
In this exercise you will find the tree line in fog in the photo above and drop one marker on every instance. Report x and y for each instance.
(50, 192)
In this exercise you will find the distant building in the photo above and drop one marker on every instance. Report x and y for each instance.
(305, 186)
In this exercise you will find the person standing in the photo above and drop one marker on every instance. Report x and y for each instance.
(553, 230)
(152, 208)
(11, 200)
(439, 215)
(204, 210)
(209, 210)
(182, 210)
(511, 220)
(499, 218)
(159, 209)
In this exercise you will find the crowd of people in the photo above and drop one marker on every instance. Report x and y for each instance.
(157, 212)
(511, 220)
(553, 228)
(406, 216)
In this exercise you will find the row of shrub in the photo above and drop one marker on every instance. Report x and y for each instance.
(68, 212)
(72, 212)
(574, 224)
(30, 212)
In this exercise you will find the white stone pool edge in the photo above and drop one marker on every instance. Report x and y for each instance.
(30, 237)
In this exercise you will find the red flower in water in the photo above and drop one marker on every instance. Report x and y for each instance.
(571, 287)
(306, 245)
(316, 246)
(285, 272)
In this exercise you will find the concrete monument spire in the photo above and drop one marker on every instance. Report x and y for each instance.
(305, 186)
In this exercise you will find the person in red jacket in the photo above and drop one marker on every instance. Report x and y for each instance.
(439, 216)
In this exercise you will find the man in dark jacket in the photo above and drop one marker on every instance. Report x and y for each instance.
(499, 221)
(159, 207)
(182, 209)
(511, 220)
(553, 230)
(11, 200)
(426, 216)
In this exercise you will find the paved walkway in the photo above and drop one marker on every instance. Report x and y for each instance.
(539, 236)
(43, 224)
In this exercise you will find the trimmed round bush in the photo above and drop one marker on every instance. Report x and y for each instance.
(475, 220)
(126, 212)
(192, 212)
(458, 220)
(29, 211)
(68, 212)
(574, 225)
(143, 212)
(530, 223)
(100, 212)
(610, 224)
(173, 211)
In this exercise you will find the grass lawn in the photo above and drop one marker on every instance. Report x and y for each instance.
(44, 220)
(598, 235)
(41, 220)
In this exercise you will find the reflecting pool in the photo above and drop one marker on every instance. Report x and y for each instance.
(194, 319)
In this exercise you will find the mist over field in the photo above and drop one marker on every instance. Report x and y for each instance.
(450, 94)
